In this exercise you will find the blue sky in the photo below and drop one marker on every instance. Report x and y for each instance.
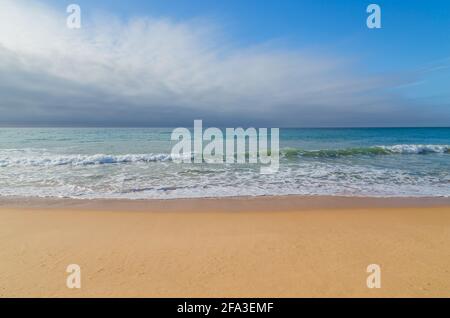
(410, 54)
(414, 33)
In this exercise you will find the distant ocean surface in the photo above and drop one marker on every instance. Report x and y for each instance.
(135, 163)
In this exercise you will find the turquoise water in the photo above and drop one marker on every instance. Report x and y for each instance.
(135, 163)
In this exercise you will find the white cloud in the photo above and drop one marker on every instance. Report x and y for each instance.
(156, 68)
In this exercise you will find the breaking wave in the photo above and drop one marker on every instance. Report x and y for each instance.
(375, 150)
(45, 159)
(81, 160)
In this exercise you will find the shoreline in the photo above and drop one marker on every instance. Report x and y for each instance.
(260, 203)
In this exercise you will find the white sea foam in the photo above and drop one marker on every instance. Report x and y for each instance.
(77, 160)
(41, 173)
(177, 181)
(417, 149)
(40, 157)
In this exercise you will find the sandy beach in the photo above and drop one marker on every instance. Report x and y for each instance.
(248, 247)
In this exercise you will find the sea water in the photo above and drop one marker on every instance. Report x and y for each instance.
(135, 163)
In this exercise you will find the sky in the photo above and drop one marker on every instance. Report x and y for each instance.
(272, 63)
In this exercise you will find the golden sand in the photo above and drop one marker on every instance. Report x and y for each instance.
(259, 247)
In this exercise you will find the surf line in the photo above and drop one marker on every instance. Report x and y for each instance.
(239, 146)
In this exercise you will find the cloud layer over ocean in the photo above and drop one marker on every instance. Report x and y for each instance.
(155, 71)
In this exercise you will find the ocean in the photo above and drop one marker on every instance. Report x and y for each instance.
(135, 163)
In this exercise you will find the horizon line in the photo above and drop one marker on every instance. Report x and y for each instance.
(238, 126)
